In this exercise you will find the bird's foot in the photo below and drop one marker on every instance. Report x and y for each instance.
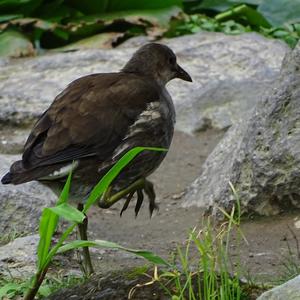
(139, 187)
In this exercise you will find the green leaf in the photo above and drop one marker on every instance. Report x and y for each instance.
(9, 287)
(252, 2)
(48, 224)
(101, 40)
(15, 44)
(104, 6)
(45, 290)
(244, 12)
(279, 12)
(91, 24)
(68, 212)
(5, 18)
(117, 5)
(150, 256)
(107, 179)
(217, 5)
(20, 6)
(63, 198)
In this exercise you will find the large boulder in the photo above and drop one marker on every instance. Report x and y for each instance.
(21, 205)
(287, 291)
(261, 156)
(230, 73)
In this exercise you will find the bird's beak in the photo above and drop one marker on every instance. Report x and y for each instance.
(182, 74)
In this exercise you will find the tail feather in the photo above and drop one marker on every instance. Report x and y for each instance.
(7, 178)
(18, 174)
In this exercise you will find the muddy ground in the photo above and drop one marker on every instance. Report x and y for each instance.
(268, 237)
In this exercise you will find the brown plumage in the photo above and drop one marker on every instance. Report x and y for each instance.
(98, 118)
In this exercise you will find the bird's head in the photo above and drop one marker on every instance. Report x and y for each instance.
(157, 61)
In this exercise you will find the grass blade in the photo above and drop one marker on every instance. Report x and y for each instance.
(48, 224)
(68, 212)
(106, 180)
(150, 256)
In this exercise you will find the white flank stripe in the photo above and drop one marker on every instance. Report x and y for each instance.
(62, 172)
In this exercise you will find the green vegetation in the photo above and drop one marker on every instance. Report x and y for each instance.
(207, 275)
(11, 288)
(28, 26)
(203, 269)
(48, 224)
(200, 269)
(290, 261)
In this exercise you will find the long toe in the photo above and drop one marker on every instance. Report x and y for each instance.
(139, 201)
(149, 190)
(125, 206)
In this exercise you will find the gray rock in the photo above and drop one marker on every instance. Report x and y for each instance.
(18, 258)
(21, 205)
(287, 291)
(230, 73)
(259, 156)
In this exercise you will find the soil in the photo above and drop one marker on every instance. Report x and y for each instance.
(269, 238)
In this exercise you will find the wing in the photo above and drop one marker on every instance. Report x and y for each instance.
(89, 118)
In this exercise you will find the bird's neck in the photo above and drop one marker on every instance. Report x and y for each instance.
(145, 70)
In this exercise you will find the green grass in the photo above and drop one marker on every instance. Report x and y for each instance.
(290, 261)
(203, 266)
(202, 269)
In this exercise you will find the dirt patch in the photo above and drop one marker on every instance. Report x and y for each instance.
(261, 257)
(267, 237)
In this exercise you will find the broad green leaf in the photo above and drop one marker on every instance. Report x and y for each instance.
(150, 256)
(253, 2)
(279, 12)
(54, 11)
(89, 6)
(92, 24)
(104, 6)
(217, 5)
(5, 18)
(107, 179)
(68, 212)
(19, 6)
(48, 224)
(101, 40)
(119, 5)
(15, 44)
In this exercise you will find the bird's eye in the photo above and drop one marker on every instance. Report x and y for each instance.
(172, 60)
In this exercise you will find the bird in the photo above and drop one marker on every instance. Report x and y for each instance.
(94, 122)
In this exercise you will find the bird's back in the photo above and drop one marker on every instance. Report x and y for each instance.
(94, 121)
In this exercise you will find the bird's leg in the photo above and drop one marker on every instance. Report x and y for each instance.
(82, 228)
(138, 187)
(108, 200)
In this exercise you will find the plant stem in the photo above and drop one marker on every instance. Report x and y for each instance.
(39, 277)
